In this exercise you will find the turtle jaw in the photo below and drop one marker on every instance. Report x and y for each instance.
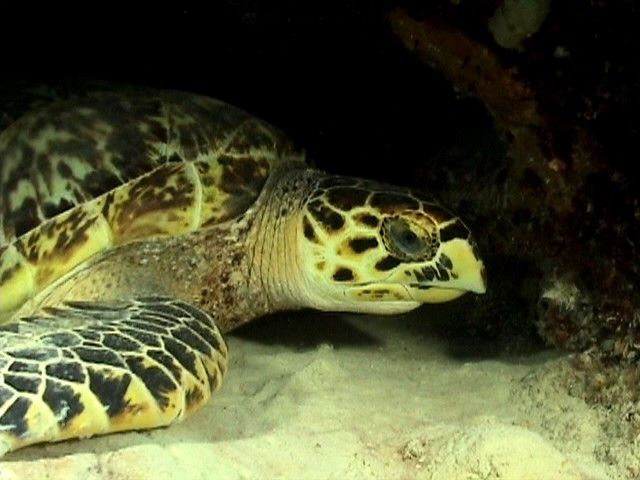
(408, 287)
(388, 299)
(454, 270)
(391, 299)
(370, 298)
(468, 274)
(390, 307)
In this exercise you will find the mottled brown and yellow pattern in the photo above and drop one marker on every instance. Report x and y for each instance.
(106, 368)
(136, 226)
(111, 168)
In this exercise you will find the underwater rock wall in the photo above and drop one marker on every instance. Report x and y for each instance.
(556, 206)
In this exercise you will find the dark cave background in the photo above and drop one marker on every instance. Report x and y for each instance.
(333, 76)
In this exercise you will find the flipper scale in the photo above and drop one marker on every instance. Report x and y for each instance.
(91, 368)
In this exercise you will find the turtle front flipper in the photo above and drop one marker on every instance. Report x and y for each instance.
(91, 368)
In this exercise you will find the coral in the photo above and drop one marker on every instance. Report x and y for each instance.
(516, 20)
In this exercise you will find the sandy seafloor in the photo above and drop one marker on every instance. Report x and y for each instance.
(339, 397)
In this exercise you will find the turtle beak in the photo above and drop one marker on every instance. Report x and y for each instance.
(476, 281)
(468, 273)
(482, 286)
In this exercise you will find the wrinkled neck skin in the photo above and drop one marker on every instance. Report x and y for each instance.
(237, 271)
(253, 265)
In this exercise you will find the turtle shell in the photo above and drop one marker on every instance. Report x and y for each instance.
(82, 175)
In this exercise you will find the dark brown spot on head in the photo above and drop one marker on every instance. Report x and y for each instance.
(367, 219)
(446, 261)
(454, 230)
(387, 263)
(427, 274)
(393, 202)
(359, 245)
(345, 198)
(329, 218)
(437, 213)
(308, 230)
(442, 273)
(343, 274)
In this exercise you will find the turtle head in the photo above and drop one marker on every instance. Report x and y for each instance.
(368, 247)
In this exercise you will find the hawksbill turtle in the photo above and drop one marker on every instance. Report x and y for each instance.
(137, 226)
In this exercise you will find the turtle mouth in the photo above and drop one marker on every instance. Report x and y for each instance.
(423, 293)
(391, 294)
(409, 294)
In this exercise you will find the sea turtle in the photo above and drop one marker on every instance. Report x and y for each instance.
(131, 221)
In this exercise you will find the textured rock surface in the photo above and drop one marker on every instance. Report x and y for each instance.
(557, 201)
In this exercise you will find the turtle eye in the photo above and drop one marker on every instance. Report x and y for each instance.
(406, 241)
